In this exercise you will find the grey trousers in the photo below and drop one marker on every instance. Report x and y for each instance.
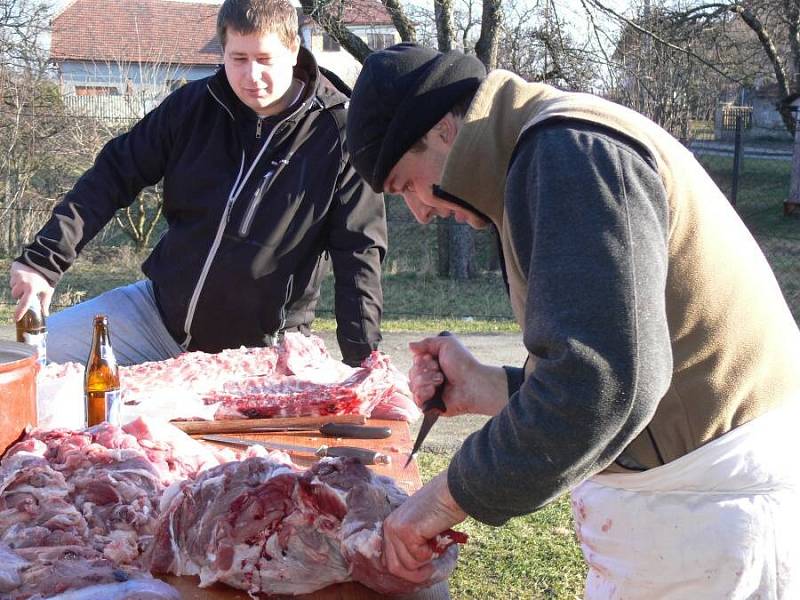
(136, 330)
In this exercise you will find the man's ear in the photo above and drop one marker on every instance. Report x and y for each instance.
(446, 129)
(295, 48)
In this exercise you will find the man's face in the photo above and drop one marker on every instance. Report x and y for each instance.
(259, 68)
(414, 176)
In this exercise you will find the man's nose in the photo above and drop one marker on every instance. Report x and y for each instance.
(421, 212)
(255, 70)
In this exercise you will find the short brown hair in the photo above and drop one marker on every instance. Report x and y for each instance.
(258, 16)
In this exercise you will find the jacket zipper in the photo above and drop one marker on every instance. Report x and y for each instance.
(289, 287)
(238, 185)
(211, 253)
(258, 127)
(258, 196)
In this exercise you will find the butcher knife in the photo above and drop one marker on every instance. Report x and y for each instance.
(366, 456)
(432, 408)
(341, 430)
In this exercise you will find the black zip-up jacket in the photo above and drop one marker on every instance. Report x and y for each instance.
(254, 208)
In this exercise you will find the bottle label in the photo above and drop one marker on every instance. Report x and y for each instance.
(113, 407)
(38, 341)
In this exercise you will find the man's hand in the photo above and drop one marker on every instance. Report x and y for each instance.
(26, 285)
(407, 552)
(471, 388)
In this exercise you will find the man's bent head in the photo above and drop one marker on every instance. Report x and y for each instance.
(400, 94)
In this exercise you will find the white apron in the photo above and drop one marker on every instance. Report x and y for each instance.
(722, 522)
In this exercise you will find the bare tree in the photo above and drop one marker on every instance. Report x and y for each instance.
(29, 119)
(537, 44)
(742, 41)
(140, 86)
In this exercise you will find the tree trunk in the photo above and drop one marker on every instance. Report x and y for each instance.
(461, 251)
(331, 22)
(486, 46)
(462, 239)
(443, 248)
(400, 21)
(443, 13)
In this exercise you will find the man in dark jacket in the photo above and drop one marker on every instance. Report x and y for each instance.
(661, 388)
(259, 195)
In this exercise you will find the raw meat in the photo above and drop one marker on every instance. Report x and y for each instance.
(85, 515)
(264, 526)
(265, 397)
(78, 508)
(296, 378)
(75, 573)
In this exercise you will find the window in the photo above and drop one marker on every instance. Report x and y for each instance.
(96, 90)
(329, 43)
(379, 41)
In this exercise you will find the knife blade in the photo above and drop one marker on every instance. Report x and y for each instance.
(432, 408)
(365, 455)
(343, 430)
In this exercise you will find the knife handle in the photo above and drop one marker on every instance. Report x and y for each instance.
(436, 401)
(368, 457)
(361, 432)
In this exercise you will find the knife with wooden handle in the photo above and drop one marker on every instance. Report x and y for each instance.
(366, 456)
(242, 425)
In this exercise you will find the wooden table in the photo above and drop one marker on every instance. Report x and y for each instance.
(397, 446)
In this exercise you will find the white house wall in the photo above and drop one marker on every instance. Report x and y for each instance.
(135, 89)
(116, 74)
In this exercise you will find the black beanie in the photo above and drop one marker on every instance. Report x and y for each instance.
(400, 94)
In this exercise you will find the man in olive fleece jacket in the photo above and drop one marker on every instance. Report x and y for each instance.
(661, 351)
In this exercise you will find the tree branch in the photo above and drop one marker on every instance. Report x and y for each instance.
(661, 40)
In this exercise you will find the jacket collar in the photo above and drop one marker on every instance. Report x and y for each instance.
(317, 89)
(477, 165)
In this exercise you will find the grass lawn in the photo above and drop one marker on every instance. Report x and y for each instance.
(536, 556)
(763, 187)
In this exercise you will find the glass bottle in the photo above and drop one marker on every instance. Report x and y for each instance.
(31, 329)
(101, 379)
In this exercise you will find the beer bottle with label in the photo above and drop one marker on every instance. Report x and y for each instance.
(101, 380)
(31, 329)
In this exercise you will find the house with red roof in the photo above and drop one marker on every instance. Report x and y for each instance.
(121, 57)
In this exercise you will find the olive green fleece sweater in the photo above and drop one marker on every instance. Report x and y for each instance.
(652, 320)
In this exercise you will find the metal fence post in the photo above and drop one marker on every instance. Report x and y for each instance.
(737, 158)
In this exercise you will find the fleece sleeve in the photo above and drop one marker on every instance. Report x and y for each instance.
(589, 219)
(357, 245)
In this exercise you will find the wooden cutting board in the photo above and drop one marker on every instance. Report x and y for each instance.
(397, 446)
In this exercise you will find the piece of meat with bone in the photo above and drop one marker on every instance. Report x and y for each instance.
(375, 389)
(261, 525)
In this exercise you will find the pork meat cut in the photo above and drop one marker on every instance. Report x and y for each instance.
(86, 503)
(296, 378)
(262, 525)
